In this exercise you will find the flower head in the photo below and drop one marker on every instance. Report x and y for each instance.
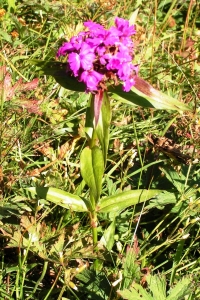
(100, 56)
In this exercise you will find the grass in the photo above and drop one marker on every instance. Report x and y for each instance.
(47, 250)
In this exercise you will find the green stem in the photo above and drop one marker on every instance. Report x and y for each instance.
(17, 289)
(97, 125)
(168, 14)
(93, 221)
(177, 259)
(94, 229)
(62, 292)
(139, 152)
(94, 224)
(53, 285)
(40, 279)
(93, 213)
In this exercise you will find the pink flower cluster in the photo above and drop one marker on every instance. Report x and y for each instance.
(100, 55)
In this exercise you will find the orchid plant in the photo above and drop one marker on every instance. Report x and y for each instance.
(100, 61)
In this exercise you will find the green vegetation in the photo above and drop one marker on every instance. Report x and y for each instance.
(70, 229)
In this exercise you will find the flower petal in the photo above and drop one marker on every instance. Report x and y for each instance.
(74, 62)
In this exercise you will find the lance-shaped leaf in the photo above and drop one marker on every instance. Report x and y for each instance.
(143, 94)
(59, 71)
(89, 122)
(118, 202)
(92, 169)
(61, 198)
(103, 125)
(98, 116)
(108, 237)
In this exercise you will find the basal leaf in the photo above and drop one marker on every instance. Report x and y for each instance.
(118, 202)
(59, 197)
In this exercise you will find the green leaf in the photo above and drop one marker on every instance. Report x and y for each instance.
(11, 5)
(116, 203)
(176, 178)
(163, 199)
(96, 285)
(143, 94)
(133, 16)
(92, 169)
(137, 292)
(103, 125)
(6, 211)
(101, 130)
(108, 237)
(89, 122)
(181, 289)
(58, 246)
(131, 267)
(59, 71)
(59, 197)
(157, 285)
(5, 36)
(4, 294)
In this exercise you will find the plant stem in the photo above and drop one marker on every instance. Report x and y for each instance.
(53, 285)
(93, 213)
(62, 292)
(93, 221)
(40, 279)
(94, 224)
(176, 260)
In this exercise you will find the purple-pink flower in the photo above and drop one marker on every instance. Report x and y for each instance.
(124, 28)
(99, 57)
(91, 79)
(84, 59)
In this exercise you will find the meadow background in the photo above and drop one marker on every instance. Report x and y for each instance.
(152, 250)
